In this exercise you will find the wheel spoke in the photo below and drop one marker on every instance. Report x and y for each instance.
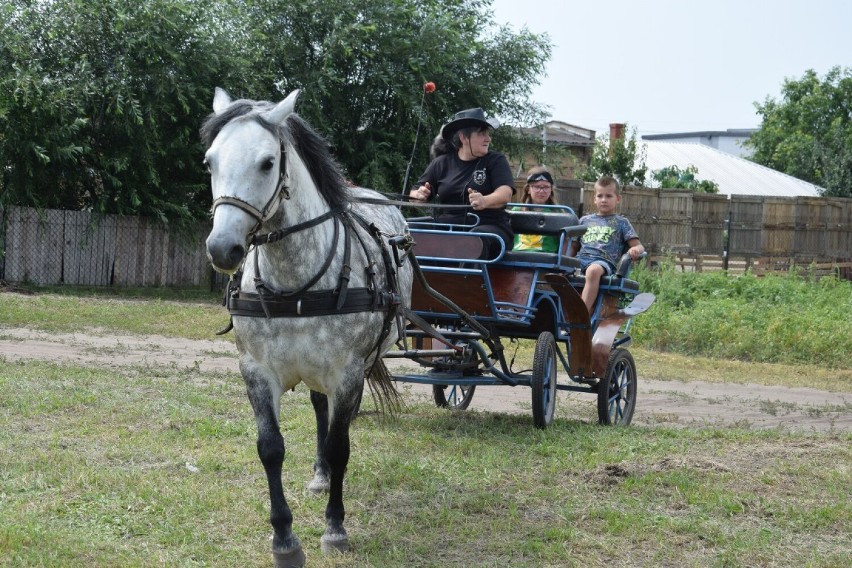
(616, 397)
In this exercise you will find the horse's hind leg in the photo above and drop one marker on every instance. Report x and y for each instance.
(286, 548)
(320, 481)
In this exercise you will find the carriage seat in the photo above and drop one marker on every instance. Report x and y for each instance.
(617, 282)
(563, 225)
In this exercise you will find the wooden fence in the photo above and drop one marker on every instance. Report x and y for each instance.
(705, 231)
(53, 247)
(699, 231)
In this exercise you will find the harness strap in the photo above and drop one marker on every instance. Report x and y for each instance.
(261, 286)
(343, 279)
(315, 303)
(280, 234)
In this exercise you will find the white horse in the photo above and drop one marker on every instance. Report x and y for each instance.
(317, 292)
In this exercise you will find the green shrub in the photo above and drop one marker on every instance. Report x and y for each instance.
(777, 318)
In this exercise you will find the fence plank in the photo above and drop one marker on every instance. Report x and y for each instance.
(810, 226)
(674, 219)
(838, 220)
(709, 217)
(89, 251)
(779, 226)
(745, 226)
(34, 246)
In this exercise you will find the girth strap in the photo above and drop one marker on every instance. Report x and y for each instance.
(319, 303)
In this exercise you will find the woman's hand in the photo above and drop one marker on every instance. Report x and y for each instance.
(498, 198)
(422, 193)
(476, 199)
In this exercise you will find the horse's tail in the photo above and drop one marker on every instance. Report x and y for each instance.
(383, 389)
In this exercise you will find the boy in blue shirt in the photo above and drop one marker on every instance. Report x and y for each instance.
(600, 248)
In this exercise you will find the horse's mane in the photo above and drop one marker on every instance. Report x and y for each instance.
(312, 148)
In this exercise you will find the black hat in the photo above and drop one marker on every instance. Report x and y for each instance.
(465, 118)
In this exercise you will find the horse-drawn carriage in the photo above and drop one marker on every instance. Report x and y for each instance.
(463, 309)
(323, 283)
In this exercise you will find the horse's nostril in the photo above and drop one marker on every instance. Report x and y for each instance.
(236, 254)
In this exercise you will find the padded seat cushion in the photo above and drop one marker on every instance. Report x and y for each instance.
(549, 258)
(607, 282)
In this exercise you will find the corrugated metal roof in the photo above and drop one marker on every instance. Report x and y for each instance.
(734, 175)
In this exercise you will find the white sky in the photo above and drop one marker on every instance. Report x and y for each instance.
(677, 66)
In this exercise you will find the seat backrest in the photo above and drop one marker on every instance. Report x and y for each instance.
(540, 222)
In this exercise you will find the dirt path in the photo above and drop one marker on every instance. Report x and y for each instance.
(658, 403)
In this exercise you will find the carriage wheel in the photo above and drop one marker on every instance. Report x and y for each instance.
(544, 380)
(617, 390)
(454, 397)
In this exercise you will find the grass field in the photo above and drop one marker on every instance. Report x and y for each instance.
(148, 466)
(156, 466)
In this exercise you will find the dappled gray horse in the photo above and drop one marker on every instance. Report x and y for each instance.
(317, 290)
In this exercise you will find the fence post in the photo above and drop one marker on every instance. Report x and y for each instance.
(727, 244)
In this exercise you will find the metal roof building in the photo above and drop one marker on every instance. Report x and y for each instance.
(735, 176)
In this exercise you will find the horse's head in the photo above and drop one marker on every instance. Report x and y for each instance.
(245, 160)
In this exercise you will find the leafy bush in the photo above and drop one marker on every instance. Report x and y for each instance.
(672, 177)
(777, 318)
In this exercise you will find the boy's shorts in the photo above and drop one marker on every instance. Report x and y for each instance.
(586, 261)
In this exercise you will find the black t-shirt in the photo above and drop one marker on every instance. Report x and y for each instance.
(449, 177)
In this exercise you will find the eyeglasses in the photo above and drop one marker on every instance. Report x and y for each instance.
(540, 187)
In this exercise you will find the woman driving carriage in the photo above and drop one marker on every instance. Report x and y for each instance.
(464, 171)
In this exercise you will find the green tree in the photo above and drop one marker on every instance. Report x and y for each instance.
(362, 65)
(672, 177)
(808, 132)
(623, 159)
(100, 100)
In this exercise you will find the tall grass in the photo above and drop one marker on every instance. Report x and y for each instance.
(778, 318)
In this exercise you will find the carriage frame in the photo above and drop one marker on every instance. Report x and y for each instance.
(463, 309)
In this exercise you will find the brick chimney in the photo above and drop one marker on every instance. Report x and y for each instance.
(616, 132)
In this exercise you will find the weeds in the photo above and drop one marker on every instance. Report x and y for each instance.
(774, 319)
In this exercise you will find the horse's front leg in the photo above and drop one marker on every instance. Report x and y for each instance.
(264, 395)
(344, 405)
(320, 481)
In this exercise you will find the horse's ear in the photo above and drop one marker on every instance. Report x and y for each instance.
(221, 100)
(283, 109)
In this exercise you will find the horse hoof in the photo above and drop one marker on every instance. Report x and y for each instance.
(319, 484)
(288, 553)
(294, 558)
(334, 543)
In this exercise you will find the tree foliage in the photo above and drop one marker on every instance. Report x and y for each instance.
(672, 177)
(100, 100)
(623, 159)
(808, 132)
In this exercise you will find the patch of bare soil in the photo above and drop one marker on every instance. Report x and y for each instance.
(668, 403)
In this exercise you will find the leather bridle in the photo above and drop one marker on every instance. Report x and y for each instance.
(281, 193)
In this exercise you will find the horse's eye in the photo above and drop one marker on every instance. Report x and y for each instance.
(206, 165)
(267, 164)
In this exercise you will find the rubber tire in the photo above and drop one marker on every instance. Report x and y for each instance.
(617, 390)
(544, 380)
(454, 402)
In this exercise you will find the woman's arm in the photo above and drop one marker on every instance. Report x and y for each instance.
(494, 200)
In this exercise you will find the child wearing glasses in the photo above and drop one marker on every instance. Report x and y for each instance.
(540, 191)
